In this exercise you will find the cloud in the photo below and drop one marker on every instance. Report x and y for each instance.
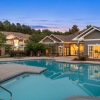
(43, 20)
(3, 19)
(43, 27)
(39, 26)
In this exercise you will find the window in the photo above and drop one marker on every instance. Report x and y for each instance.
(16, 42)
(94, 51)
(73, 49)
(65, 51)
(81, 48)
(60, 50)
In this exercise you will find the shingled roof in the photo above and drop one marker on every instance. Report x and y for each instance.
(17, 34)
(61, 38)
(67, 38)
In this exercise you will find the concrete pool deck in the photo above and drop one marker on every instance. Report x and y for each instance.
(8, 71)
(68, 59)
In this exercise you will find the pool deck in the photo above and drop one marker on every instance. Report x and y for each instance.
(8, 71)
(83, 98)
(68, 59)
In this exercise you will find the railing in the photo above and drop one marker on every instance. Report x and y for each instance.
(7, 91)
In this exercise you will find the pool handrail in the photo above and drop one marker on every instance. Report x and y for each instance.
(7, 91)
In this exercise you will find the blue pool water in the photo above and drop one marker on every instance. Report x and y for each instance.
(59, 81)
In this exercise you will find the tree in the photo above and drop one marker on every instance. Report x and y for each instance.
(33, 48)
(67, 33)
(19, 27)
(13, 27)
(88, 26)
(1, 26)
(74, 29)
(7, 25)
(26, 29)
(2, 39)
(36, 37)
(47, 32)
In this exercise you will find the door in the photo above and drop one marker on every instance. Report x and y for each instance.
(66, 51)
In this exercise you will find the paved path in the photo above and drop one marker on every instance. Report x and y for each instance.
(11, 70)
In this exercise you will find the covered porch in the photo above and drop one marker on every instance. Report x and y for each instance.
(63, 46)
(71, 49)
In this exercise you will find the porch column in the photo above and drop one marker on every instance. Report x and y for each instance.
(23, 45)
(63, 49)
(78, 49)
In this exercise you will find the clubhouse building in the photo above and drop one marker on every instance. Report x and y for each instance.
(86, 42)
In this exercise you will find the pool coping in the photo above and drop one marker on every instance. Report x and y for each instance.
(19, 74)
(58, 59)
(78, 62)
(9, 71)
(38, 58)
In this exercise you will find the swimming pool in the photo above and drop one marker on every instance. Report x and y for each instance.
(59, 81)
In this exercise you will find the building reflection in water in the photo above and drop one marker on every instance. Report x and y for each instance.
(85, 76)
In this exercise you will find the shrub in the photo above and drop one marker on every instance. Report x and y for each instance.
(12, 53)
(82, 58)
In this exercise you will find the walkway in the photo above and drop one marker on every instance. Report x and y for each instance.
(11, 70)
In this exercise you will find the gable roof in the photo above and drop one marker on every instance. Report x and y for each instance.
(86, 32)
(56, 38)
(47, 37)
(16, 34)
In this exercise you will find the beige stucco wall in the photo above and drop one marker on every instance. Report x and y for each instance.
(10, 36)
(10, 41)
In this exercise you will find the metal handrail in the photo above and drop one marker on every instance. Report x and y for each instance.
(7, 91)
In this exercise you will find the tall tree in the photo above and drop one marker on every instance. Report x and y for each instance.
(7, 25)
(36, 37)
(19, 27)
(13, 27)
(47, 32)
(2, 39)
(26, 29)
(88, 26)
(74, 29)
(1, 26)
